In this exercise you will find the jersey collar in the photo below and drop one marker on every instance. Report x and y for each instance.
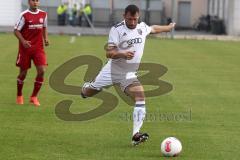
(33, 12)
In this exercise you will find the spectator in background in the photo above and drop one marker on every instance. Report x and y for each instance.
(208, 19)
(62, 13)
(169, 20)
(80, 15)
(87, 13)
(73, 15)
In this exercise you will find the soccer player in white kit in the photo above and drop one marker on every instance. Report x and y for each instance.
(124, 50)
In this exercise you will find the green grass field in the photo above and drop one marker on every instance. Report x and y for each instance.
(205, 76)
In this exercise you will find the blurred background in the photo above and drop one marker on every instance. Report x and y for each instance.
(210, 16)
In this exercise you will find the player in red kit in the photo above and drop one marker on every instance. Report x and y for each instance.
(31, 31)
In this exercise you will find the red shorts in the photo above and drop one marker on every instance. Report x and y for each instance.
(24, 58)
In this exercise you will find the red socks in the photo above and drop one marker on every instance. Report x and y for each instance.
(37, 86)
(20, 82)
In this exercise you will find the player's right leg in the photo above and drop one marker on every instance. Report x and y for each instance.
(24, 63)
(20, 81)
(136, 92)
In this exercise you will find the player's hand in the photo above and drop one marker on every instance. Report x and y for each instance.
(26, 44)
(129, 55)
(172, 25)
(46, 42)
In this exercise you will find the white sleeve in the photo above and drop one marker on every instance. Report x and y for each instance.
(148, 28)
(113, 37)
(20, 23)
(45, 22)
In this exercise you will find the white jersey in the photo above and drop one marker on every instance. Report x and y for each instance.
(130, 39)
(122, 71)
(127, 40)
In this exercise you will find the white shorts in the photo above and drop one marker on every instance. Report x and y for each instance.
(107, 78)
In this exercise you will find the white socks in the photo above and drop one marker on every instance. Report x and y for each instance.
(138, 116)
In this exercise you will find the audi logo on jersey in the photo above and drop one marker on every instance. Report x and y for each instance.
(127, 44)
(134, 41)
(123, 45)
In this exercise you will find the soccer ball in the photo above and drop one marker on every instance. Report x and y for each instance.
(171, 147)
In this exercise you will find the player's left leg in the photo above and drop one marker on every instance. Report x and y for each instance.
(136, 91)
(40, 61)
(88, 90)
(37, 85)
(102, 80)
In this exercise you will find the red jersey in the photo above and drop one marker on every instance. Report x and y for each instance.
(31, 25)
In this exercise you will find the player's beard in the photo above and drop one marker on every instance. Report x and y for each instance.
(131, 26)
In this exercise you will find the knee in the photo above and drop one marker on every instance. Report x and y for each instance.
(40, 73)
(22, 75)
(139, 96)
(137, 99)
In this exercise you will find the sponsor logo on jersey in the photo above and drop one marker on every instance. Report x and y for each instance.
(129, 43)
(134, 41)
(41, 20)
(35, 26)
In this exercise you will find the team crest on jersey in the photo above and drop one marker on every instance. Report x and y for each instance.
(41, 20)
(139, 31)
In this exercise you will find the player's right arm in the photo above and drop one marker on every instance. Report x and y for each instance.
(112, 50)
(25, 43)
(17, 28)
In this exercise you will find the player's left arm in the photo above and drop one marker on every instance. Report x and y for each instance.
(45, 36)
(45, 32)
(165, 28)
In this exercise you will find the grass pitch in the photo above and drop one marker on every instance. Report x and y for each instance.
(205, 76)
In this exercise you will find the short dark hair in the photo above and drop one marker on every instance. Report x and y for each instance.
(132, 9)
